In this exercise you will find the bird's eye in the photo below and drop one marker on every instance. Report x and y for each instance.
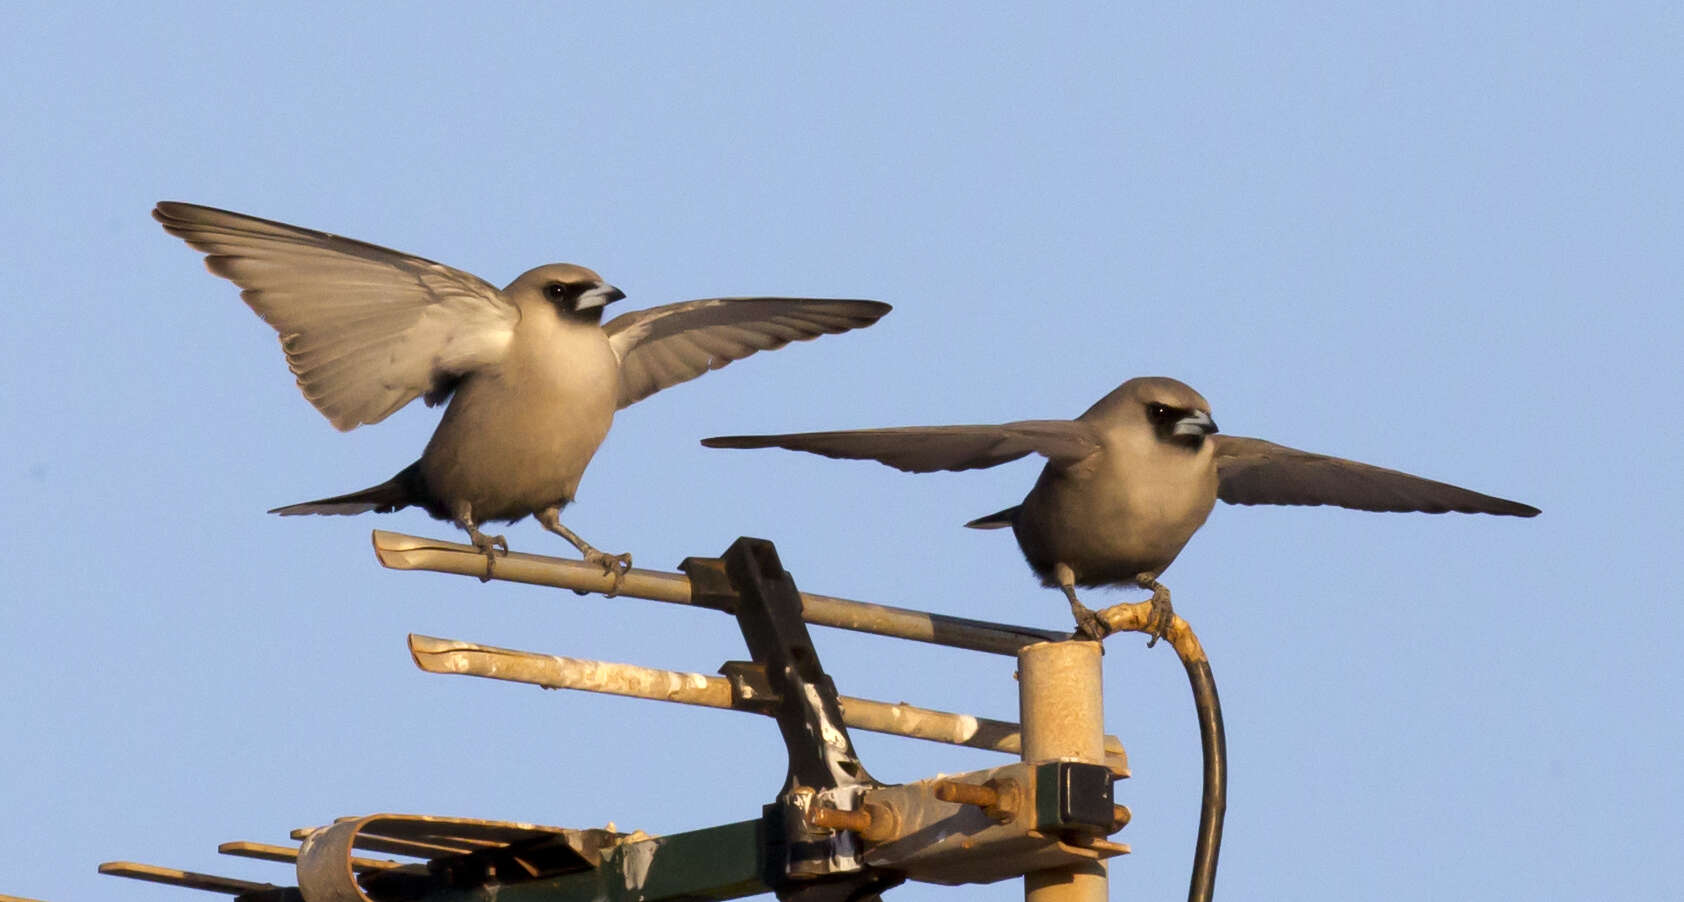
(555, 291)
(1157, 411)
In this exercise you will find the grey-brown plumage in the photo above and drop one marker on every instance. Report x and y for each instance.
(1128, 482)
(532, 375)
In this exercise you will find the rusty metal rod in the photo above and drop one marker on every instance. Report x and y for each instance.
(399, 551)
(435, 655)
(833, 819)
(966, 793)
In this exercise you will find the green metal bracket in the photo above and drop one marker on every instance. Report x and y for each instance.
(720, 862)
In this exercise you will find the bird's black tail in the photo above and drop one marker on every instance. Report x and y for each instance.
(996, 520)
(394, 494)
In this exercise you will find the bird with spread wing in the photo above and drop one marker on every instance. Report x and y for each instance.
(1128, 482)
(531, 374)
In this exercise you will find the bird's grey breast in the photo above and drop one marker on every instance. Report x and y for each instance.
(1124, 511)
(517, 436)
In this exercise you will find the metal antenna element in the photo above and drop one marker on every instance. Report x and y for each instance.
(744, 688)
(833, 833)
(399, 551)
(823, 766)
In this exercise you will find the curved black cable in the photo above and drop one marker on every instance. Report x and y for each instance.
(1214, 804)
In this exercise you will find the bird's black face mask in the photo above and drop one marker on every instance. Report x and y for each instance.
(1180, 425)
(583, 301)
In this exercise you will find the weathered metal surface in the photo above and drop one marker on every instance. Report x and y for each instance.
(412, 848)
(981, 827)
(436, 655)
(188, 879)
(429, 846)
(1060, 697)
(1001, 800)
(801, 861)
(972, 836)
(406, 552)
(454, 656)
(324, 865)
(289, 855)
(720, 862)
(480, 853)
(476, 832)
(1059, 694)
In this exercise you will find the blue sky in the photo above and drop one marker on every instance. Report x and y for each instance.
(1443, 239)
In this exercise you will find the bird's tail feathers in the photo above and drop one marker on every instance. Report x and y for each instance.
(996, 520)
(393, 494)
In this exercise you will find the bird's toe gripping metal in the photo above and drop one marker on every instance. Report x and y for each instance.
(491, 546)
(1089, 625)
(614, 565)
(1163, 613)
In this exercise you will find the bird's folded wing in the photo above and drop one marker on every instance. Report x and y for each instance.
(1253, 471)
(666, 345)
(366, 329)
(924, 449)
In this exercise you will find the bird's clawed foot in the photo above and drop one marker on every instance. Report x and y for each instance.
(463, 515)
(611, 564)
(1089, 626)
(1162, 615)
(614, 565)
(490, 546)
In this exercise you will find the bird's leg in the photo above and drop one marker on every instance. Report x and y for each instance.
(464, 517)
(1088, 624)
(1163, 614)
(615, 564)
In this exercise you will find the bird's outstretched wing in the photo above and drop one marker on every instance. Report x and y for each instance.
(366, 329)
(674, 343)
(1253, 471)
(925, 449)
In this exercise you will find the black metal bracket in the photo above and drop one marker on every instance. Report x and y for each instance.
(1074, 797)
(803, 862)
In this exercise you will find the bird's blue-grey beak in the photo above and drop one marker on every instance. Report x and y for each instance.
(1196, 423)
(602, 295)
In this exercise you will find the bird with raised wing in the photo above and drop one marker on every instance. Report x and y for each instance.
(532, 375)
(1127, 483)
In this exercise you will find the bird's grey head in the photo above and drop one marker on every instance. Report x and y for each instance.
(575, 292)
(1175, 412)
